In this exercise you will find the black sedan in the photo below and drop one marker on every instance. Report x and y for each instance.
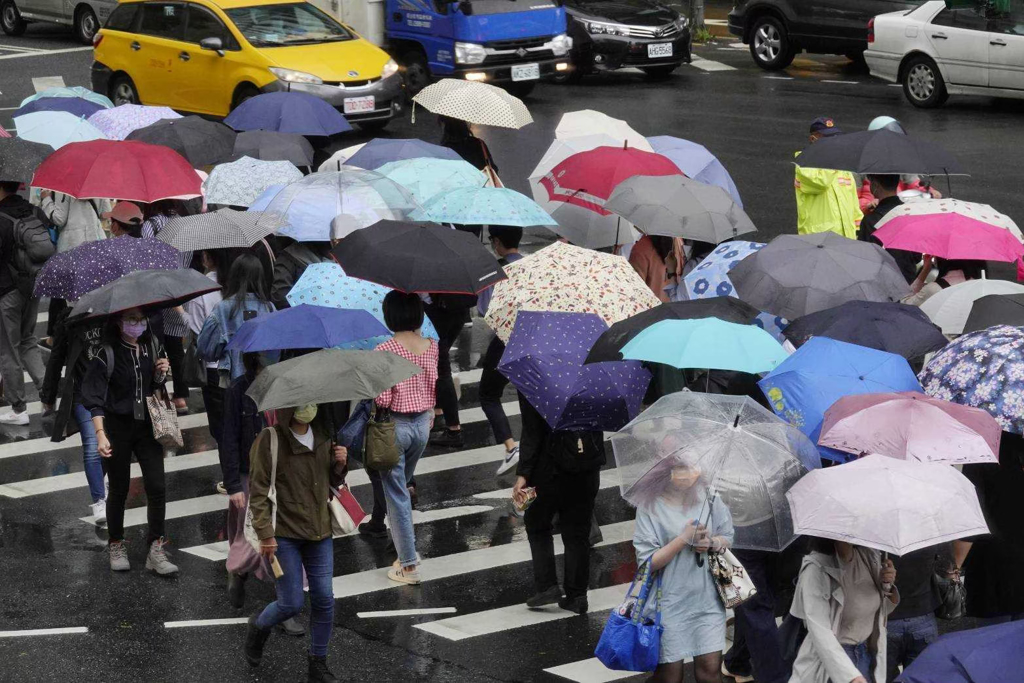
(613, 34)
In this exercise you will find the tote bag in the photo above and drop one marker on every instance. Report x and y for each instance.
(346, 512)
(250, 532)
(380, 444)
(731, 579)
(630, 641)
(165, 419)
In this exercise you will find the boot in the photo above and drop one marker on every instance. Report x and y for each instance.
(318, 671)
(292, 627)
(255, 640)
(236, 589)
(118, 556)
(157, 559)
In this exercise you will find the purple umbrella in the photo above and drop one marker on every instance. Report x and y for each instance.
(544, 361)
(76, 272)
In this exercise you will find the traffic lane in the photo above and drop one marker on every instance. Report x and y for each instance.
(18, 70)
(41, 36)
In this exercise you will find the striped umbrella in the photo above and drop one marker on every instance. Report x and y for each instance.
(223, 229)
(474, 103)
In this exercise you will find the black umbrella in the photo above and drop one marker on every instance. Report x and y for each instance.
(880, 152)
(202, 142)
(150, 289)
(268, 145)
(996, 309)
(730, 309)
(893, 327)
(19, 159)
(419, 257)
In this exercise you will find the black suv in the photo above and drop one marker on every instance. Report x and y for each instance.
(777, 30)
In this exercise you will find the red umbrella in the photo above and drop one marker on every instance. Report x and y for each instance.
(115, 169)
(587, 179)
(4, 133)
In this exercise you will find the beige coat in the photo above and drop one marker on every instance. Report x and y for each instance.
(819, 603)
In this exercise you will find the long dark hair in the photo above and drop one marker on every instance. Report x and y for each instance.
(244, 278)
(662, 245)
(453, 130)
(112, 329)
(166, 207)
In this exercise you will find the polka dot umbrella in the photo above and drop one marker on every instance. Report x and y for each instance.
(73, 273)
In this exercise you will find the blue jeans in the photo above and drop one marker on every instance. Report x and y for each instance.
(861, 658)
(411, 433)
(90, 454)
(317, 558)
(907, 638)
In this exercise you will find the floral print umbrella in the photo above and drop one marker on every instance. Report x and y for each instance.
(119, 122)
(483, 206)
(241, 182)
(78, 271)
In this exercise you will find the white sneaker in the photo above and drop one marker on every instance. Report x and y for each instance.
(511, 460)
(10, 417)
(99, 511)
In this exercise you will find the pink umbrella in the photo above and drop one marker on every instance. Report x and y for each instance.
(950, 236)
(911, 426)
(4, 133)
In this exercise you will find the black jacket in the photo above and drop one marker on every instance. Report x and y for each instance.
(289, 267)
(12, 207)
(544, 453)
(242, 424)
(73, 347)
(906, 260)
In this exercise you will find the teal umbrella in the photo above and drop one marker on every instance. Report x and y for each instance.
(76, 91)
(426, 177)
(484, 206)
(56, 128)
(707, 343)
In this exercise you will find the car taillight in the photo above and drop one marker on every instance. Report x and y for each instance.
(871, 30)
(96, 40)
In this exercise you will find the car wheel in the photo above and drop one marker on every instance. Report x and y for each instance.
(244, 92)
(770, 45)
(10, 19)
(659, 73)
(122, 91)
(923, 84)
(417, 72)
(86, 25)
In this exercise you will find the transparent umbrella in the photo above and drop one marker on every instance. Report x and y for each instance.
(735, 449)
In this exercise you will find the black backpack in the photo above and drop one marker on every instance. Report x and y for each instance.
(31, 247)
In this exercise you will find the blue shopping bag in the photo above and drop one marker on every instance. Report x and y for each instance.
(631, 641)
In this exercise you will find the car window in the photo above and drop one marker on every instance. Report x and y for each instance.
(202, 23)
(163, 20)
(969, 18)
(122, 18)
(1007, 16)
(287, 24)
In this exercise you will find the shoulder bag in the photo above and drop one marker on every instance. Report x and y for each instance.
(630, 641)
(250, 532)
(193, 367)
(731, 579)
(952, 596)
(380, 447)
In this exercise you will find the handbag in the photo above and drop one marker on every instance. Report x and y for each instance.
(380, 446)
(731, 579)
(193, 370)
(630, 641)
(952, 596)
(250, 532)
(165, 419)
(346, 512)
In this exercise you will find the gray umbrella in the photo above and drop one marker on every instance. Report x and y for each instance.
(222, 229)
(150, 289)
(19, 159)
(799, 274)
(329, 376)
(679, 207)
(269, 145)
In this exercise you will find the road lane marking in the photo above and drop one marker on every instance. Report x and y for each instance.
(778, 78)
(41, 83)
(233, 621)
(407, 612)
(45, 53)
(590, 671)
(44, 632)
(708, 65)
(825, 80)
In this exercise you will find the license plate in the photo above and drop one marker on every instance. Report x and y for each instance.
(360, 105)
(526, 72)
(656, 50)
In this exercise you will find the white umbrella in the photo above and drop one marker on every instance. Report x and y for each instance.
(950, 308)
(982, 213)
(473, 102)
(891, 505)
(239, 183)
(589, 122)
(339, 158)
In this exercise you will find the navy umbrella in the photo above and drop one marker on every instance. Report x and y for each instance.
(981, 655)
(380, 151)
(306, 327)
(71, 105)
(71, 274)
(288, 112)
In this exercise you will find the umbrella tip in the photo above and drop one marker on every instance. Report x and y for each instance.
(736, 422)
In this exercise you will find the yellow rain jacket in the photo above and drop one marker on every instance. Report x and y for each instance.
(826, 200)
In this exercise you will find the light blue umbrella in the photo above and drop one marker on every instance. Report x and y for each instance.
(707, 343)
(425, 178)
(380, 151)
(123, 120)
(325, 284)
(696, 162)
(484, 206)
(75, 91)
(241, 182)
(56, 128)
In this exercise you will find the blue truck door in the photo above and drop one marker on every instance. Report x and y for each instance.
(428, 23)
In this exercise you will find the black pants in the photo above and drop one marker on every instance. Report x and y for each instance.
(53, 312)
(572, 497)
(129, 436)
(213, 398)
(448, 323)
(380, 505)
(756, 647)
(492, 387)
(176, 356)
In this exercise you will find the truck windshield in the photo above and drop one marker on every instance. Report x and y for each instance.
(287, 24)
(505, 6)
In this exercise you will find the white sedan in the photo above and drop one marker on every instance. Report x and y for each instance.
(935, 51)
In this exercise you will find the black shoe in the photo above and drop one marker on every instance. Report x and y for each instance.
(255, 640)
(292, 627)
(449, 438)
(579, 604)
(318, 671)
(439, 425)
(547, 597)
(373, 530)
(236, 589)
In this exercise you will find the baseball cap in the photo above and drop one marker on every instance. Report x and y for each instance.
(826, 126)
(124, 212)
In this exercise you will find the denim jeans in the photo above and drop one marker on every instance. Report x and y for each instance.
(907, 638)
(90, 454)
(861, 658)
(411, 433)
(317, 558)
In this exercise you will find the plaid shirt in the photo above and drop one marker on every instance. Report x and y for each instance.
(415, 394)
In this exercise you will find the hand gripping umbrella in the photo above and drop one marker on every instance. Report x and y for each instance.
(147, 289)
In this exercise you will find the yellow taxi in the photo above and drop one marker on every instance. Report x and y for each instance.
(208, 56)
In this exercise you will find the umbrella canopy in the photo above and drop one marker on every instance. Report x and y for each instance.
(419, 257)
(74, 91)
(56, 128)
(938, 212)
(222, 229)
(150, 289)
(742, 453)
(561, 277)
(911, 426)
(483, 206)
(325, 284)
(288, 112)
(338, 159)
(587, 122)
(679, 207)
(950, 308)
(887, 504)
(474, 102)
(305, 327)
(951, 239)
(896, 328)
(268, 145)
(821, 372)
(110, 169)
(544, 362)
(72, 105)
(117, 123)
(329, 376)
(425, 178)
(996, 309)
(880, 152)
(4, 133)
(696, 162)
(985, 370)
(980, 655)
(202, 142)
(20, 158)
(609, 344)
(239, 183)
(707, 343)
(799, 274)
(73, 273)
(380, 151)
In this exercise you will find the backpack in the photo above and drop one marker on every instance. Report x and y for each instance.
(31, 248)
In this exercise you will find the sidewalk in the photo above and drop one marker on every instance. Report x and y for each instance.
(716, 17)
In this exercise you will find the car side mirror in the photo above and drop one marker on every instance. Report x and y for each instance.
(213, 44)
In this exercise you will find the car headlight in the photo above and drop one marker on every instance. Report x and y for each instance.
(682, 22)
(390, 69)
(602, 28)
(469, 53)
(292, 76)
(560, 45)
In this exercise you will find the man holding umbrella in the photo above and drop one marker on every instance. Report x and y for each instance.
(826, 200)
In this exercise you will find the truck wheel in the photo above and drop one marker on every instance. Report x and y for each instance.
(10, 19)
(86, 25)
(770, 45)
(417, 72)
(520, 90)
(923, 84)
(122, 91)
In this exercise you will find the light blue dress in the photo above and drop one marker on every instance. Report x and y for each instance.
(692, 614)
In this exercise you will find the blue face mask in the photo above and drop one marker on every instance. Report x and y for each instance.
(133, 330)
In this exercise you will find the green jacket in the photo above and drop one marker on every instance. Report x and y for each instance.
(827, 200)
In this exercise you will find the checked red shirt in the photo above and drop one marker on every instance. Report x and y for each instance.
(415, 394)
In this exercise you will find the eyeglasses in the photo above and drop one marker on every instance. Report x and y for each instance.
(134, 320)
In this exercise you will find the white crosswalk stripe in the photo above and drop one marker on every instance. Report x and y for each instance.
(589, 671)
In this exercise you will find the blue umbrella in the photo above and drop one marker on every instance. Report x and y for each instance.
(305, 327)
(380, 151)
(544, 361)
(483, 206)
(288, 112)
(74, 91)
(696, 162)
(425, 178)
(71, 105)
(706, 343)
(992, 654)
(821, 372)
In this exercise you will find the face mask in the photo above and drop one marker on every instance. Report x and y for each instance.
(685, 477)
(133, 330)
(305, 414)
